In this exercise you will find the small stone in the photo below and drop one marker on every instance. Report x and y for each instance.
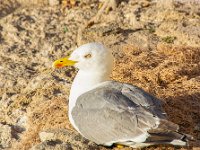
(53, 2)
(21, 124)
(63, 139)
(145, 4)
(5, 136)
(46, 136)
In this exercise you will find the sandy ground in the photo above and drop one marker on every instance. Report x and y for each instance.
(156, 45)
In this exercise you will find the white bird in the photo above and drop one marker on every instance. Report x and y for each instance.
(109, 112)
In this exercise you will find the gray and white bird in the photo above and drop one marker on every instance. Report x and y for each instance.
(109, 112)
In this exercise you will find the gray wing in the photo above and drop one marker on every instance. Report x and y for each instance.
(115, 112)
(140, 97)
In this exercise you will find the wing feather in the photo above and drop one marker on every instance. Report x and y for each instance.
(110, 113)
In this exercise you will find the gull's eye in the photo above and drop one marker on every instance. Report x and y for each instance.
(88, 56)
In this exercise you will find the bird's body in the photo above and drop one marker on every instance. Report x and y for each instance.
(109, 112)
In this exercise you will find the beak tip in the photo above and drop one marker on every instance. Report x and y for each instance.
(63, 62)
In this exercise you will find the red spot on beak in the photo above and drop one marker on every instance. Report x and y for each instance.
(59, 65)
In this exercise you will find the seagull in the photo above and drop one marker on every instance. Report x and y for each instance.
(110, 113)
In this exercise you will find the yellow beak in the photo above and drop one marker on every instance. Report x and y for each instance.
(63, 62)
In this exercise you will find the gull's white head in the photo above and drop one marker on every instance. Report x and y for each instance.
(93, 57)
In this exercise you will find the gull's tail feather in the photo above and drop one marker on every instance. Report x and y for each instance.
(167, 133)
(167, 138)
(158, 137)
